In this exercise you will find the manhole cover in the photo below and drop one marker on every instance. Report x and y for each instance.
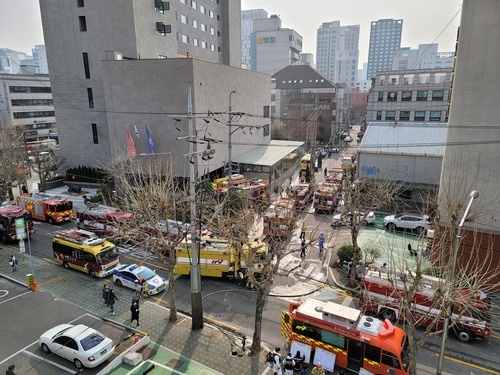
(216, 335)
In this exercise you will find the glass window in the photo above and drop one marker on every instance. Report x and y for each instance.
(203, 44)
(380, 96)
(193, 4)
(202, 9)
(79, 3)
(379, 115)
(404, 115)
(390, 115)
(372, 353)
(91, 97)
(195, 24)
(212, 31)
(333, 338)
(185, 38)
(435, 116)
(390, 359)
(437, 95)
(406, 96)
(392, 96)
(421, 96)
(183, 1)
(184, 19)
(94, 134)
(211, 13)
(419, 116)
(195, 42)
(203, 27)
(212, 47)
(86, 65)
(83, 23)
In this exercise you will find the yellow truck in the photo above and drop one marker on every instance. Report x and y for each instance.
(218, 258)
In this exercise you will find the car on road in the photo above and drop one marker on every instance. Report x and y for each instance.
(134, 276)
(347, 218)
(82, 345)
(415, 222)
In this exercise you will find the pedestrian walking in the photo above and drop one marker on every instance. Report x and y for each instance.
(288, 364)
(134, 309)
(243, 342)
(111, 299)
(303, 247)
(326, 172)
(105, 291)
(299, 361)
(412, 252)
(136, 297)
(321, 243)
(303, 230)
(13, 263)
(318, 369)
(10, 370)
(277, 361)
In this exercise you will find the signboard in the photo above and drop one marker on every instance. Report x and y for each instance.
(22, 249)
(20, 232)
(326, 358)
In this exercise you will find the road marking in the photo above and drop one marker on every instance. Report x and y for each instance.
(20, 295)
(50, 261)
(219, 323)
(54, 280)
(469, 364)
(46, 360)
(5, 292)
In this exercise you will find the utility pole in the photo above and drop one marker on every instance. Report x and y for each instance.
(229, 145)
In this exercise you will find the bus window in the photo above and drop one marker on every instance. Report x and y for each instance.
(372, 353)
(390, 359)
(333, 339)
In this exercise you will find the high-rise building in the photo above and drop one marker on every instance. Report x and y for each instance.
(385, 38)
(128, 30)
(247, 17)
(40, 59)
(273, 47)
(337, 52)
(10, 61)
(425, 57)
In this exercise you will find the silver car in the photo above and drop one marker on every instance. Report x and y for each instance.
(418, 223)
(347, 218)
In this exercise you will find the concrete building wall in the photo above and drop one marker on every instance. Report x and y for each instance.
(146, 92)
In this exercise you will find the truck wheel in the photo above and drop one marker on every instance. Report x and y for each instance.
(51, 221)
(92, 274)
(4, 238)
(463, 334)
(388, 314)
(66, 265)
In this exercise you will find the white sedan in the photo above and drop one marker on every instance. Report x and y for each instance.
(134, 276)
(419, 223)
(347, 218)
(82, 345)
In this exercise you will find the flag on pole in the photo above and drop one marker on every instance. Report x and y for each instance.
(130, 144)
(150, 142)
(136, 131)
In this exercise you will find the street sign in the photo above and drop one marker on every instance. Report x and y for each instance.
(20, 230)
(22, 249)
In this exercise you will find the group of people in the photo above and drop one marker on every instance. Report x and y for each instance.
(109, 296)
(291, 365)
(303, 245)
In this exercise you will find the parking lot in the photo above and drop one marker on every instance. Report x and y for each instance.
(26, 315)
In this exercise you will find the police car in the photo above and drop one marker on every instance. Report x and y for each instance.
(134, 276)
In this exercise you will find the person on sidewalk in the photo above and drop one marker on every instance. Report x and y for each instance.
(326, 172)
(13, 263)
(303, 247)
(134, 309)
(110, 300)
(318, 369)
(321, 244)
(136, 297)
(10, 370)
(288, 364)
(303, 230)
(105, 291)
(277, 361)
(299, 361)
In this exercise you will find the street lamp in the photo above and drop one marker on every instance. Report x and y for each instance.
(473, 195)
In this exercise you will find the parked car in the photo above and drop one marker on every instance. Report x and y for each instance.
(348, 139)
(133, 276)
(347, 218)
(418, 223)
(82, 345)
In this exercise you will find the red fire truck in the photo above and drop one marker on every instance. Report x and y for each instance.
(101, 220)
(338, 335)
(335, 175)
(303, 194)
(46, 207)
(278, 219)
(326, 197)
(471, 316)
(8, 216)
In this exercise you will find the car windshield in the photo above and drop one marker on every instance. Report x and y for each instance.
(61, 332)
(91, 341)
(397, 216)
(146, 274)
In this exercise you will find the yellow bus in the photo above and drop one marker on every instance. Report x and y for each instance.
(305, 163)
(289, 161)
(84, 251)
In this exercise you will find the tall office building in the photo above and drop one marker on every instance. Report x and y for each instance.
(425, 57)
(385, 38)
(273, 47)
(247, 17)
(10, 61)
(40, 59)
(337, 52)
(80, 35)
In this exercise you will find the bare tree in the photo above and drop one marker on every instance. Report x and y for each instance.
(149, 190)
(46, 165)
(13, 166)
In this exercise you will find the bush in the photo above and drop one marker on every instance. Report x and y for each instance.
(345, 252)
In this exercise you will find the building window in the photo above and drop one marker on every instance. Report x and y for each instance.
(161, 6)
(203, 27)
(203, 44)
(86, 65)
(212, 47)
(184, 19)
(202, 9)
(211, 13)
(438, 95)
(390, 115)
(421, 96)
(435, 116)
(162, 29)
(94, 134)
(79, 3)
(195, 42)
(193, 4)
(91, 97)
(404, 116)
(379, 115)
(406, 96)
(380, 96)
(392, 96)
(195, 24)
(183, 1)
(419, 116)
(212, 31)
(83, 23)
(184, 38)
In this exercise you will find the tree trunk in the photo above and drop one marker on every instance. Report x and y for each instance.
(171, 284)
(259, 312)
(355, 257)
